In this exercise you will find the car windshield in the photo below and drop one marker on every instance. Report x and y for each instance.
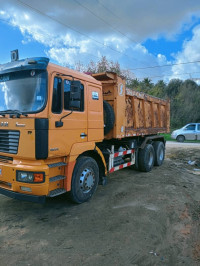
(24, 91)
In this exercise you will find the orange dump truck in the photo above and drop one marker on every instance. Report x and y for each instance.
(65, 131)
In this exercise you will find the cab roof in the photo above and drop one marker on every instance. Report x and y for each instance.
(67, 71)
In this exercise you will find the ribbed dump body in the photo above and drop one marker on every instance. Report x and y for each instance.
(136, 113)
(145, 114)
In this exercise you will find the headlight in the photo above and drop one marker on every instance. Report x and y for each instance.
(30, 177)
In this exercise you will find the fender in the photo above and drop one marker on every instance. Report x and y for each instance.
(102, 158)
(76, 151)
(79, 148)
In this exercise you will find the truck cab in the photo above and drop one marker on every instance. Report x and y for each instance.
(48, 116)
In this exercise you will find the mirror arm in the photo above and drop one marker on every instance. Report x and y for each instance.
(60, 123)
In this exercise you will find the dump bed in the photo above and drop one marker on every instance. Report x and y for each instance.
(136, 113)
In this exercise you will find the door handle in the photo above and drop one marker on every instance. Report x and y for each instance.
(83, 135)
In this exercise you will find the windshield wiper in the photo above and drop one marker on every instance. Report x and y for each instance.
(12, 113)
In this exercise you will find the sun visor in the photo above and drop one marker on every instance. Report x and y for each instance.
(28, 63)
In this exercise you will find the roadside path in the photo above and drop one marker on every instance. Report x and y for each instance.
(174, 144)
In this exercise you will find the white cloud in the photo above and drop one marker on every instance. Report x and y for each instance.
(75, 34)
(189, 53)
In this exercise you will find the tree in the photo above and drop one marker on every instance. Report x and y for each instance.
(92, 68)
(184, 95)
(159, 89)
(173, 87)
(103, 65)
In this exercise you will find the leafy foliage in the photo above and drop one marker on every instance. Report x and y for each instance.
(184, 96)
(104, 65)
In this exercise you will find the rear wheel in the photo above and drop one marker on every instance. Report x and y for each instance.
(180, 138)
(159, 149)
(146, 158)
(85, 179)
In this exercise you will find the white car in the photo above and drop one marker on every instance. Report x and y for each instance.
(188, 132)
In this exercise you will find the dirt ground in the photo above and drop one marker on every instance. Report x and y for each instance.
(137, 219)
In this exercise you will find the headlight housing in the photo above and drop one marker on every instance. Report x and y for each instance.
(175, 132)
(30, 177)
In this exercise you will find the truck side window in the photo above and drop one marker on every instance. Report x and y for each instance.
(67, 87)
(57, 92)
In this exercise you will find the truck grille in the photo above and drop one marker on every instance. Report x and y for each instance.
(9, 141)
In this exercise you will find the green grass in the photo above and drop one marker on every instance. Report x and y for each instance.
(168, 138)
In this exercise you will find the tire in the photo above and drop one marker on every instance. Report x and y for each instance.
(109, 117)
(146, 158)
(159, 150)
(180, 138)
(85, 179)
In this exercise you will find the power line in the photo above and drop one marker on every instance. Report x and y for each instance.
(69, 27)
(110, 11)
(140, 68)
(115, 29)
(31, 32)
(43, 14)
(149, 77)
(167, 65)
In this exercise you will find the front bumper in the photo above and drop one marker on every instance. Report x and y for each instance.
(21, 196)
(173, 136)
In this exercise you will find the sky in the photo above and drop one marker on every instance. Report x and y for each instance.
(156, 39)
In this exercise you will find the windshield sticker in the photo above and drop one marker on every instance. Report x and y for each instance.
(39, 98)
(4, 78)
(67, 82)
(95, 95)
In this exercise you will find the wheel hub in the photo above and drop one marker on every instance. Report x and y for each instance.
(87, 180)
(161, 156)
(151, 157)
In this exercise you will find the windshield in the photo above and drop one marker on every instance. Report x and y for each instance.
(24, 91)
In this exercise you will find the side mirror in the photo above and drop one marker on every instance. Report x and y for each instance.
(75, 104)
(58, 124)
(75, 94)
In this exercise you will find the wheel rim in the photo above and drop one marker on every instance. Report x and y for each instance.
(87, 180)
(151, 158)
(161, 155)
(180, 138)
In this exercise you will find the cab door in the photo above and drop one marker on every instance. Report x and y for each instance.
(95, 113)
(198, 132)
(67, 125)
(190, 132)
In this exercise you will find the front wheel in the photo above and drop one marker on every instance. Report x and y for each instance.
(180, 138)
(85, 179)
(146, 158)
